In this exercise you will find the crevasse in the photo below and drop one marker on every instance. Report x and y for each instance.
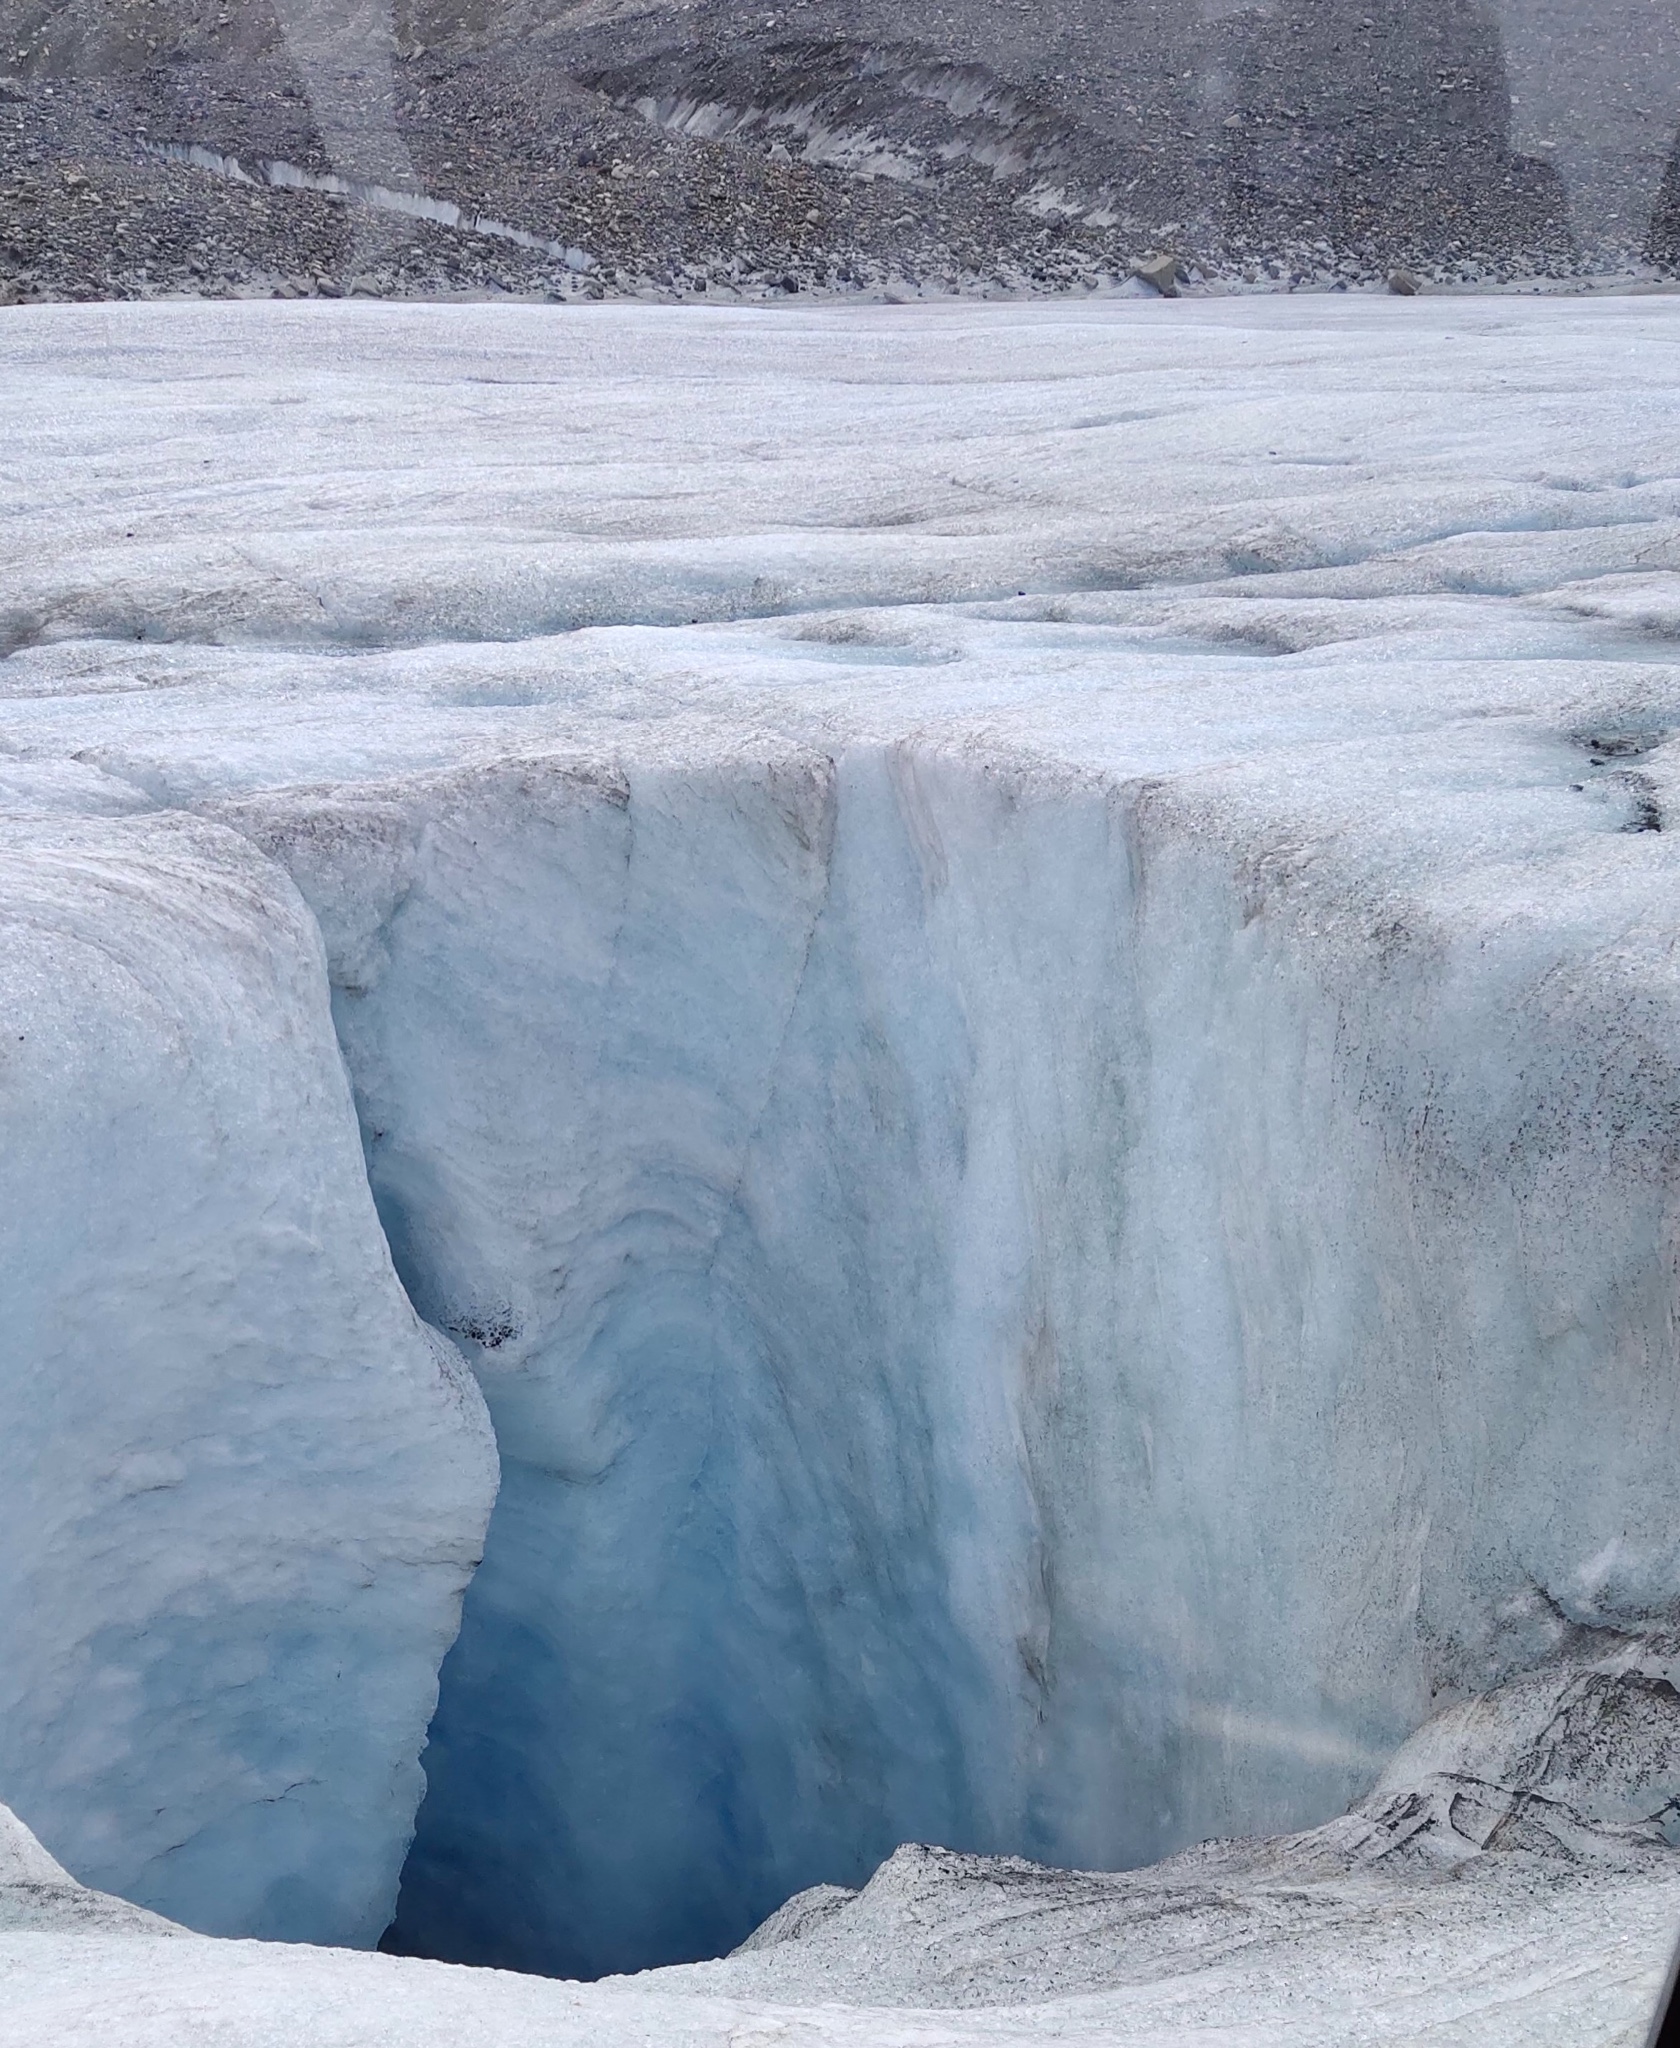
(1017, 1312)
(1019, 1004)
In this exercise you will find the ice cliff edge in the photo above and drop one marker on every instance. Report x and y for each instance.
(244, 1486)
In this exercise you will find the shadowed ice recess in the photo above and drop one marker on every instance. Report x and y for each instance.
(1007, 979)
(957, 1312)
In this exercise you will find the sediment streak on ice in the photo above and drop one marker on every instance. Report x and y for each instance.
(1008, 974)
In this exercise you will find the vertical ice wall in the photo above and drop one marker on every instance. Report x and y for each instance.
(1018, 1311)
(241, 1488)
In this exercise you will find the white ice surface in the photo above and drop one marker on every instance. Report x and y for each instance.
(995, 974)
(1578, 1969)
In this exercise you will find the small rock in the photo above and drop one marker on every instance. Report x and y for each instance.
(1404, 285)
(1161, 272)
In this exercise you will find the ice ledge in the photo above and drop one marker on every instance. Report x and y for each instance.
(1392, 1922)
(1565, 1778)
(38, 1894)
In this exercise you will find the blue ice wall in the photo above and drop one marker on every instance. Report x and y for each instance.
(1009, 1320)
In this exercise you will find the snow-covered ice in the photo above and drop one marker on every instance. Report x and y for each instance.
(1007, 972)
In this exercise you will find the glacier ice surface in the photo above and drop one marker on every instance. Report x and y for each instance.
(1007, 973)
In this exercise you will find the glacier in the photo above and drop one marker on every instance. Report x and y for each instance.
(1006, 974)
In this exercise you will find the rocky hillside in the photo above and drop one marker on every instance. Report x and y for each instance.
(279, 146)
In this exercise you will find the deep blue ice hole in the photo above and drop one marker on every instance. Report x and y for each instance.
(661, 1718)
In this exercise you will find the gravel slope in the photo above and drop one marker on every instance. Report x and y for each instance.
(752, 152)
